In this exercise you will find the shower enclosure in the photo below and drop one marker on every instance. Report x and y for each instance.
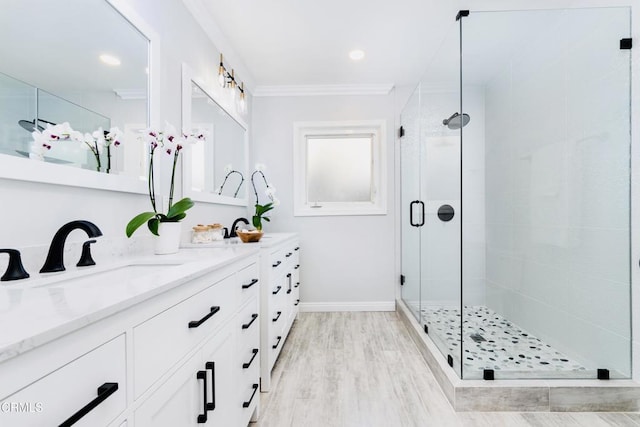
(515, 161)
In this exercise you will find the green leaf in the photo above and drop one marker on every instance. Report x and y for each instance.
(153, 225)
(137, 221)
(180, 207)
(177, 218)
(256, 221)
(266, 218)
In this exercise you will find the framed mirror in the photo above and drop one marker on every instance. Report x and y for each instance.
(213, 170)
(91, 70)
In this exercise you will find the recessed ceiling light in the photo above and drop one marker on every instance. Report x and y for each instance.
(109, 59)
(356, 54)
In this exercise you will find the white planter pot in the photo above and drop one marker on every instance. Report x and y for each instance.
(168, 241)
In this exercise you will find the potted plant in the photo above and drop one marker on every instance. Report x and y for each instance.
(166, 226)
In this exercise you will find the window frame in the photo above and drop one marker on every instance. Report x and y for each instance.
(336, 129)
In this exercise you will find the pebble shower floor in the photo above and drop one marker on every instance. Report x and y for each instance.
(493, 342)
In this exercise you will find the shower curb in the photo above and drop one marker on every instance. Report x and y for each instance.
(521, 395)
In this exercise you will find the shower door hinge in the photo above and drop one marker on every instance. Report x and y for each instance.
(488, 375)
(603, 374)
(401, 131)
(626, 43)
(402, 279)
(450, 360)
(461, 14)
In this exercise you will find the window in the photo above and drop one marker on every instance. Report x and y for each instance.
(339, 168)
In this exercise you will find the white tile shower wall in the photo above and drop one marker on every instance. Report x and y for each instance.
(36, 210)
(557, 188)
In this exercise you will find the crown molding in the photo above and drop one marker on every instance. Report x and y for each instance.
(323, 90)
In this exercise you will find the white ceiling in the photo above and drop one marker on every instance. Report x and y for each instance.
(304, 42)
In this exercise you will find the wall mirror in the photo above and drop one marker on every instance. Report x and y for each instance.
(83, 63)
(215, 169)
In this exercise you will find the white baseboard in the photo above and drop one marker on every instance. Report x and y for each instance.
(310, 307)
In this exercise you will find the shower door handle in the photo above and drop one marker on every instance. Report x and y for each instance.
(422, 213)
(411, 213)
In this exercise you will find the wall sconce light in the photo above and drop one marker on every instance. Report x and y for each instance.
(228, 80)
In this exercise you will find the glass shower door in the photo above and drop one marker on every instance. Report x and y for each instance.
(410, 194)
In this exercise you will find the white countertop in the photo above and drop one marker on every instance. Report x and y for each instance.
(31, 316)
(267, 241)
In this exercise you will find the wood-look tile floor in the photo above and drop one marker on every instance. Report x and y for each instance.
(361, 369)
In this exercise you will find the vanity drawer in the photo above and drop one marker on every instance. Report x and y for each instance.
(162, 340)
(98, 377)
(248, 282)
(248, 328)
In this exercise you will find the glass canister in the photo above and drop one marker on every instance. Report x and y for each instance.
(200, 234)
(215, 232)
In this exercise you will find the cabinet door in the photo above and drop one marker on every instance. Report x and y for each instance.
(178, 402)
(218, 359)
(200, 393)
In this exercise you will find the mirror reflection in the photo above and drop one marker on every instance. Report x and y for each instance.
(90, 70)
(218, 165)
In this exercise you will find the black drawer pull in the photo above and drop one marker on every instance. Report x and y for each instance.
(276, 264)
(288, 291)
(296, 267)
(297, 248)
(246, 365)
(277, 290)
(248, 285)
(246, 404)
(254, 316)
(202, 375)
(277, 343)
(288, 255)
(104, 391)
(211, 405)
(196, 323)
(275, 319)
(297, 284)
(297, 302)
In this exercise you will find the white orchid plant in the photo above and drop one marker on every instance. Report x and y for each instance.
(96, 141)
(269, 191)
(171, 143)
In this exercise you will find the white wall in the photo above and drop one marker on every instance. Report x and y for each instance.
(32, 212)
(348, 261)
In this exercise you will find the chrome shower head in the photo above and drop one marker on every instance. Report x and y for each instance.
(457, 121)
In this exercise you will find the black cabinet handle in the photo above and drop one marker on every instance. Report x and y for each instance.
(288, 291)
(202, 375)
(288, 254)
(297, 248)
(246, 365)
(254, 316)
(277, 343)
(289, 279)
(297, 302)
(277, 290)
(196, 323)
(104, 391)
(276, 264)
(296, 267)
(248, 285)
(297, 284)
(275, 319)
(246, 404)
(211, 405)
(422, 218)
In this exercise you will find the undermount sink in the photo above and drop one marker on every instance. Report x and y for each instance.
(103, 275)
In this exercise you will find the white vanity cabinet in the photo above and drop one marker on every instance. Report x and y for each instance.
(279, 274)
(188, 355)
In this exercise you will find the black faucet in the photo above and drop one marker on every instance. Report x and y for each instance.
(55, 261)
(232, 233)
(15, 270)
